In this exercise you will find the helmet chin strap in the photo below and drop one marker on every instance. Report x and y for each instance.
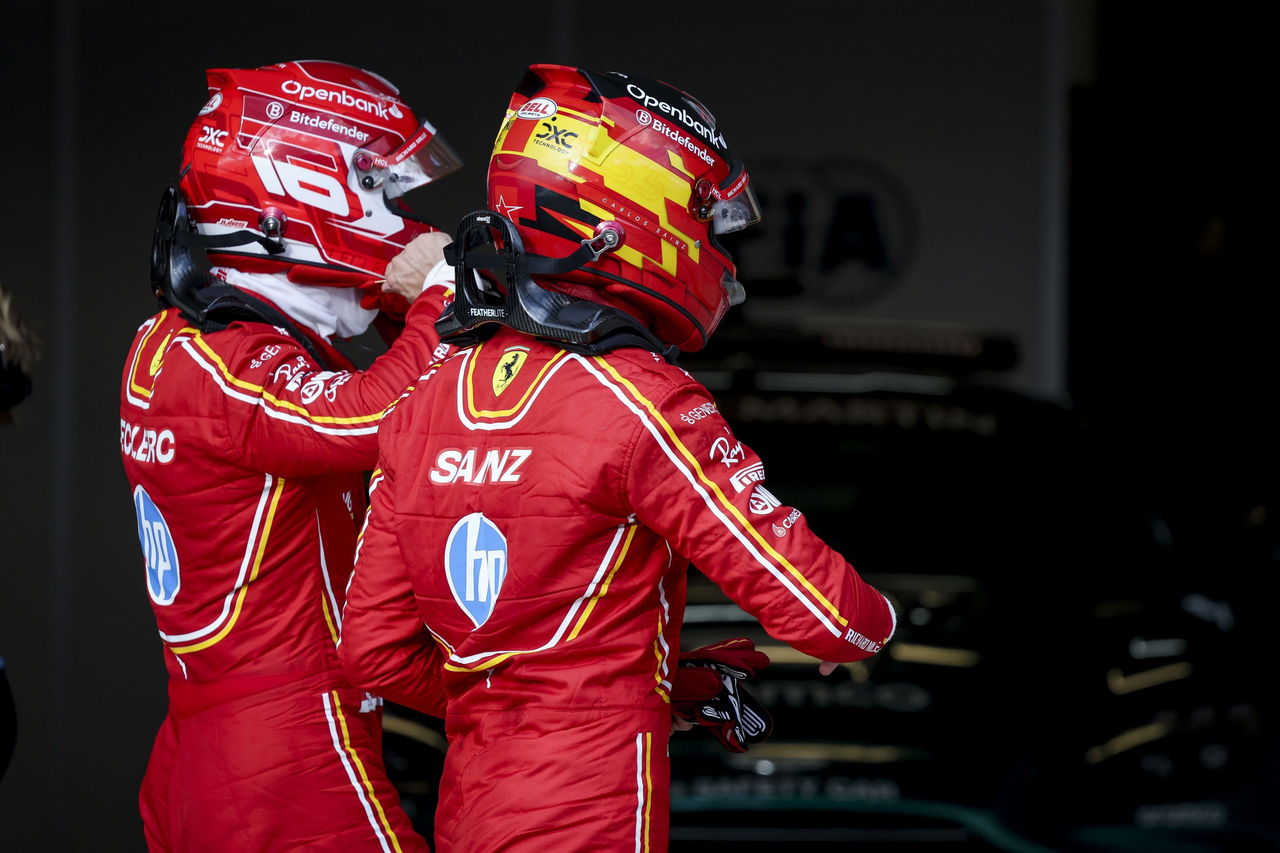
(180, 282)
(488, 241)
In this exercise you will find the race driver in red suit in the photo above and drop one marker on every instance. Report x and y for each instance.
(244, 433)
(542, 491)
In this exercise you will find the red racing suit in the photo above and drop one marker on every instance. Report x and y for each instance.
(245, 461)
(532, 521)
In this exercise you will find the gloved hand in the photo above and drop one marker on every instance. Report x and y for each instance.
(706, 690)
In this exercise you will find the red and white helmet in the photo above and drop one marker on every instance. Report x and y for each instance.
(315, 154)
(580, 149)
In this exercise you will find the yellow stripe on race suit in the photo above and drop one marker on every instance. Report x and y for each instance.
(253, 574)
(609, 565)
(328, 617)
(604, 587)
(657, 673)
(644, 789)
(157, 357)
(137, 356)
(364, 775)
(520, 404)
(374, 479)
(725, 503)
(648, 785)
(276, 401)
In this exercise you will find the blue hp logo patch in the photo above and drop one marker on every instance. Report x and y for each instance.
(475, 559)
(163, 579)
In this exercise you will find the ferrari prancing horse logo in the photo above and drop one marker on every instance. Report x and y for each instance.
(508, 366)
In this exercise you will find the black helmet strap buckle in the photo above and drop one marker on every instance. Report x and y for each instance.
(488, 242)
(179, 281)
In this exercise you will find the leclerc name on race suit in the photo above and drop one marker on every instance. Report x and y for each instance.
(709, 133)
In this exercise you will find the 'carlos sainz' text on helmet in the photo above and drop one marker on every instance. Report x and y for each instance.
(316, 155)
(579, 149)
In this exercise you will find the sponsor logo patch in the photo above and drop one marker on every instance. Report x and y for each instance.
(785, 527)
(374, 106)
(215, 101)
(694, 415)
(211, 139)
(762, 501)
(538, 108)
(507, 368)
(475, 560)
(558, 139)
(699, 124)
(864, 643)
(753, 473)
(727, 450)
(161, 558)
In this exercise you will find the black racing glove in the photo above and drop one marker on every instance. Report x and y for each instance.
(708, 691)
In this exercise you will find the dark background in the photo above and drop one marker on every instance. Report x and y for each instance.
(1045, 427)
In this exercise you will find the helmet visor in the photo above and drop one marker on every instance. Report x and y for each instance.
(424, 158)
(736, 207)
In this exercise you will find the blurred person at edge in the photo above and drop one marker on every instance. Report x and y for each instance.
(19, 349)
(541, 493)
(244, 435)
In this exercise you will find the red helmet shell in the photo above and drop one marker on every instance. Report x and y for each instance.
(283, 141)
(580, 148)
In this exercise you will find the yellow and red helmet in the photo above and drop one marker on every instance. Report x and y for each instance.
(580, 149)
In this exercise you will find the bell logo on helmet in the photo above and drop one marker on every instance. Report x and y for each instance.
(475, 559)
(215, 101)
(538, 108)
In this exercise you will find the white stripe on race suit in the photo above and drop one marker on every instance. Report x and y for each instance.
(684, 469)
(268, 410)
(351, 773)
(640, 793)
(244, 571)
(573, 610)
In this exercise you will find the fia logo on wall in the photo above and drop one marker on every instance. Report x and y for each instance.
(475, 560)
(839, 231)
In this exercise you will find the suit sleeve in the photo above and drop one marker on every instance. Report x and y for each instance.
(693, 482)
(385, 647)
(285, 415)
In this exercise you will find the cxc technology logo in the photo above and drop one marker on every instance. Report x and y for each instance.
(475, 560)
(211, 139)
(163, 578)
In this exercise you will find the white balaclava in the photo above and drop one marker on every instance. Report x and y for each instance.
(327, 311)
